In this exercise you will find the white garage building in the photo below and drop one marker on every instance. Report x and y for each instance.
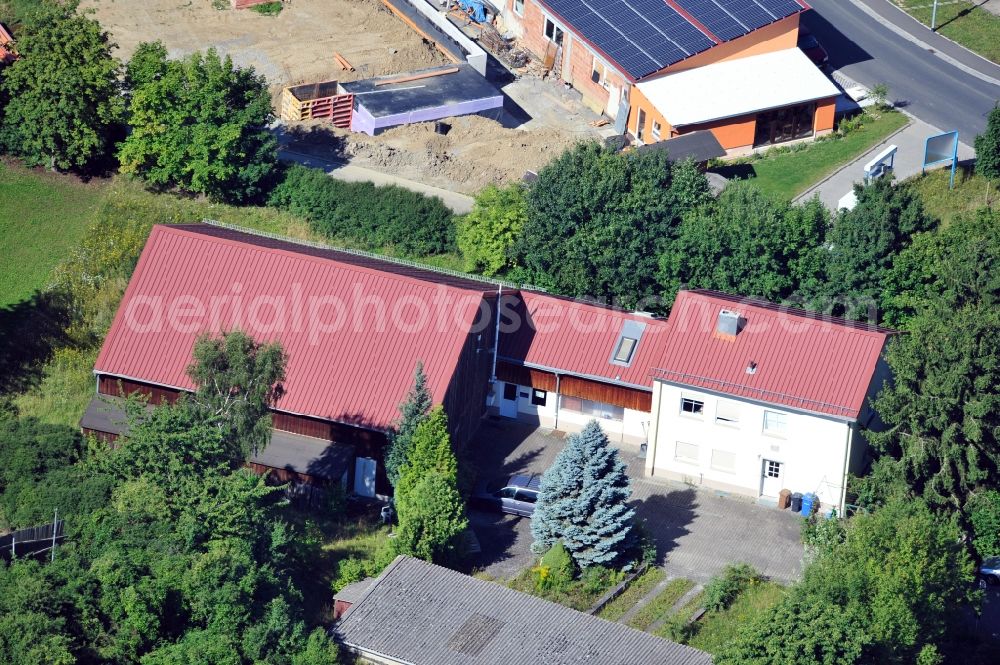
(752, 398)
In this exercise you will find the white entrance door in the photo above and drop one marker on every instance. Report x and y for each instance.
(771, 478)
(364, 476)
(508, 401)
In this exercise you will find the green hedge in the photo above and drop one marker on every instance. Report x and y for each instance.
(386, 218)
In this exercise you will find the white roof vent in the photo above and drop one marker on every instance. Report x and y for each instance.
(752, 367)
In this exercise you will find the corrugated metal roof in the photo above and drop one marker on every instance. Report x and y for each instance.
(423, 614)
(285, 450)
(578, 338)
(802, 360)
(353, 329)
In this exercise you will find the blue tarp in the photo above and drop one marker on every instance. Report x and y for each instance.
(476, 8)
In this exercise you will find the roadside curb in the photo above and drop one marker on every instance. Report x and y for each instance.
(905, 34)
(812, 190)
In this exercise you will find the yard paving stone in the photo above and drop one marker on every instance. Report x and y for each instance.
(697, 532)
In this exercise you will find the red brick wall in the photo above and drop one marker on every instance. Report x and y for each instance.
(578, 68)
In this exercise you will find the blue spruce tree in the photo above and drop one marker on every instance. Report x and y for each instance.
(583, 502)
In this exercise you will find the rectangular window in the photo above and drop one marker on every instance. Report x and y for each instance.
(775, 422)
(599, 74)
(692, 407)
(553, 32)
(591, 408)
(772, 469)
(519, 7)
(727, 413)
(724, 461)
(626, 347)
(657, 129)
(640, 125)
(686, 452)
(509, 392)
(538, 397)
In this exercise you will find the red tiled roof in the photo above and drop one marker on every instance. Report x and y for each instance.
(803, 361)
(579, 338)
(355, 373)
(7, 54)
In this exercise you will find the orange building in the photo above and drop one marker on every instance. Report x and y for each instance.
(662, 68)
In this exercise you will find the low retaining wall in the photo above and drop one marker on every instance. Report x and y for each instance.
(447, 31)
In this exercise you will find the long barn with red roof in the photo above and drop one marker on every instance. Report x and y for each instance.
(727, 392)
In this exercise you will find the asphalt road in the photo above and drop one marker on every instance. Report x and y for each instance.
(930, 88)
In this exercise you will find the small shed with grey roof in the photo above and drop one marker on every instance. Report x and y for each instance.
(416, 613)
(701, 146)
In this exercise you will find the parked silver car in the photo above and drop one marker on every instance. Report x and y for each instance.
(990, 570)
(515, 495)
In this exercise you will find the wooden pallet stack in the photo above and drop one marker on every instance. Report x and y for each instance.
(317, 102)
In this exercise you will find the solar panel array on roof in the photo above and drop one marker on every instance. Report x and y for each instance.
(644, 36)
(729, 19)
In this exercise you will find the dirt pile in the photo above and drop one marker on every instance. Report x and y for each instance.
(296, 46)
(477, 151)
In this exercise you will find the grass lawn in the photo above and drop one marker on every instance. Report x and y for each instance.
(59, 374)
(964, 22)
(639, 587)
(678, 627)
(356, 532)
(969, 194)
(42, 216)
(660, 605)
(788, 172)
(716, 629)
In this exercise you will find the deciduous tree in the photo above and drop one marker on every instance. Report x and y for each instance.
(889, 593)
(583, 502)
(487, 234)
(949, 267)
(864, 243)
(987, 147)
(599, 220)
(200, 125)
(62, 95)
(747, 244)
(238, 380)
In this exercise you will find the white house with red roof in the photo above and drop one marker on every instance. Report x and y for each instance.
(752, 398)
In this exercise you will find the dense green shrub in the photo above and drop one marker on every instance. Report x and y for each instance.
(984, 514)
(724, 589)
(363, 214)
(556, 569)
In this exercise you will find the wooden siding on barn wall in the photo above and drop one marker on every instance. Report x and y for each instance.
(526, 376)
(116, 387)
(573, 386)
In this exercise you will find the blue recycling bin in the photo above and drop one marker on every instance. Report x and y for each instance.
(808, 501)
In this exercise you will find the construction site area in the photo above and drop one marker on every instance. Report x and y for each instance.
(403, 87)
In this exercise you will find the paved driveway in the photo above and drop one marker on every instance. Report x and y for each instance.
(697, 532)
